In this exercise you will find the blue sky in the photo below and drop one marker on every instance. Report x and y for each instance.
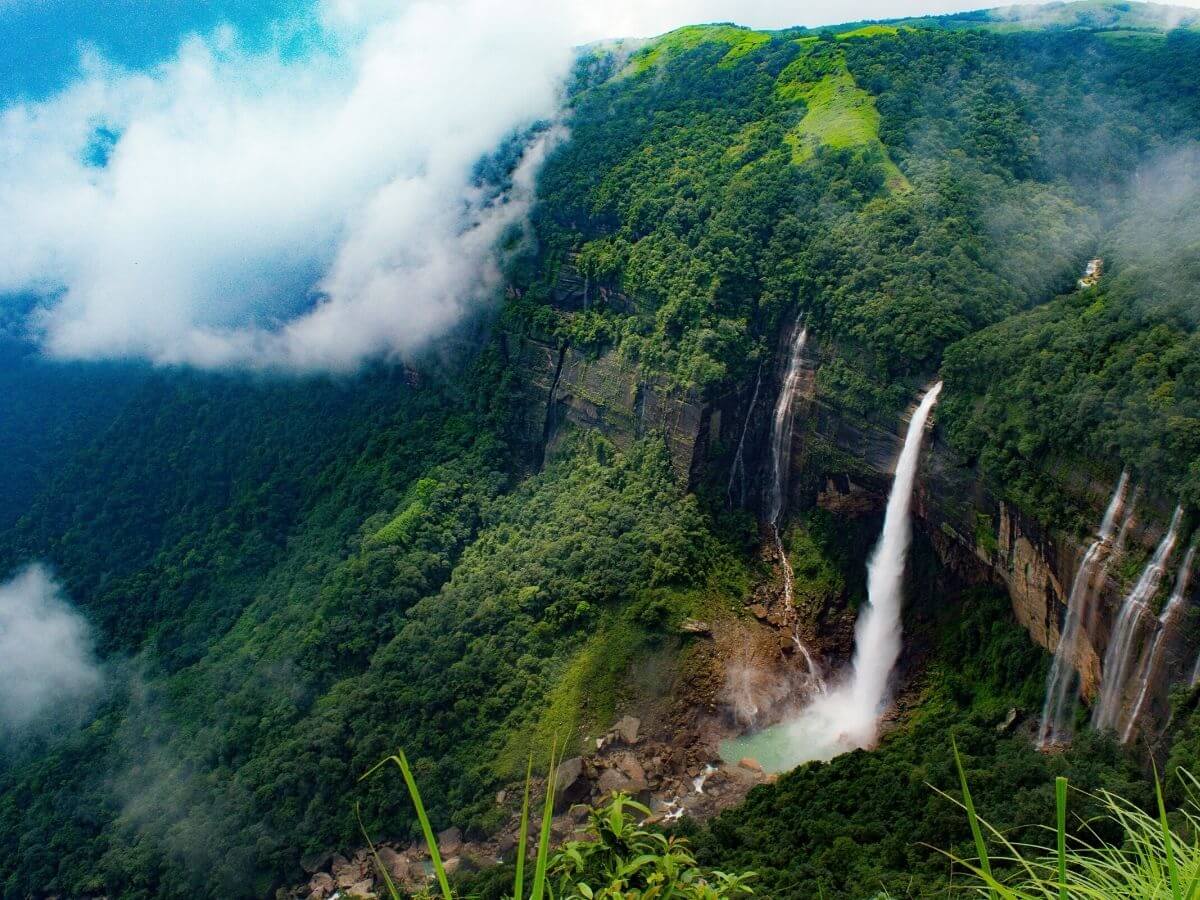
(42, 38)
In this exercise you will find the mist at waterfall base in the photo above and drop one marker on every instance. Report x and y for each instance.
(846, 717)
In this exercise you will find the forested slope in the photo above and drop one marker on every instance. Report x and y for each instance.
(290, 579)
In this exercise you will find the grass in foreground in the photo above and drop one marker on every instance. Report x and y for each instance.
(619, 858)
(1158, 858)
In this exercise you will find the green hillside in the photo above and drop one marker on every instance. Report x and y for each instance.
(293, 577)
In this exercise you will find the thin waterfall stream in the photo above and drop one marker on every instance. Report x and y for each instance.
(738, 468)
(847, 717)
(782, 426)
(1168, 626)
(1061, 694)
(1119, 658)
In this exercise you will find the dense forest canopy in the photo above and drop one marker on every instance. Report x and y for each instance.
(979, 173)
(289, 578)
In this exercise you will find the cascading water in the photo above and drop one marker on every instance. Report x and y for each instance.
(848, 716)
(1168, 625)
(781, 427)
(738, 469)
(781, 454)
(1059, 708)
(877, 633)
(1122, 646)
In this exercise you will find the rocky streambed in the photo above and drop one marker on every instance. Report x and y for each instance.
(671, 778)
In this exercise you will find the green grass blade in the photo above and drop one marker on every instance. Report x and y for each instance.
(1060, 802)
(543, 853)
(1168, 844)
(976, 832)
(523, 840)
(387, 876)
(430, 841)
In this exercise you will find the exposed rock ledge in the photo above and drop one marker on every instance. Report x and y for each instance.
(977, 536)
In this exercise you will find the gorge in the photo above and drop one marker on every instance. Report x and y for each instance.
(779, 433)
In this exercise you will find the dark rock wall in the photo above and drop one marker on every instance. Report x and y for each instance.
(842, 462)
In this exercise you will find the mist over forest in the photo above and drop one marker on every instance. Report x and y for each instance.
(470, 450)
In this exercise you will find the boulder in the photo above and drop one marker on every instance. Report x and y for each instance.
(364, 889)
(316, 862)
(570, 783)
(505, 845)
(449, 841)
(579, 813)
(452, 865)
(320, 886)
(749, 762)
(627, 729)
(611, 780)
(560, 827)
(397, 866)
(695, 626)
(629, 766)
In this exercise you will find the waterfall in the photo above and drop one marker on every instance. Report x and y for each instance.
(781, 427)
(877, 633)
(738, 467)
(1119, 656)
(781, 455)
(1059, 708)
(848, 717)
(1168, 624)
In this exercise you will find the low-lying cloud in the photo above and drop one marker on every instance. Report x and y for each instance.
(300, 210)
(242, 209)
(48, 667)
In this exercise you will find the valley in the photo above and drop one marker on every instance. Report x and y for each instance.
(790, 462)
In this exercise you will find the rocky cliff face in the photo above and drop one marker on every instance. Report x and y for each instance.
(567, 387)
(842, 462)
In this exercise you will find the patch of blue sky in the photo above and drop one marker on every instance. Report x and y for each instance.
(43, 40)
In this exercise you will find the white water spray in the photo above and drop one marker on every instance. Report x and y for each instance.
(781, 454)
(1119, 657)
(848, 716)
(1059, 708)
(1168, 625)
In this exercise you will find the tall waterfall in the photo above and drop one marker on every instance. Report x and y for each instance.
(738, 469)
(781, 454)
(1059, 708)
(1168, 625)
(1122, 646)
(848, 717)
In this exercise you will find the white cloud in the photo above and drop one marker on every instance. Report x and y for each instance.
(242, 188)
(47, 663)
(261, 211)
